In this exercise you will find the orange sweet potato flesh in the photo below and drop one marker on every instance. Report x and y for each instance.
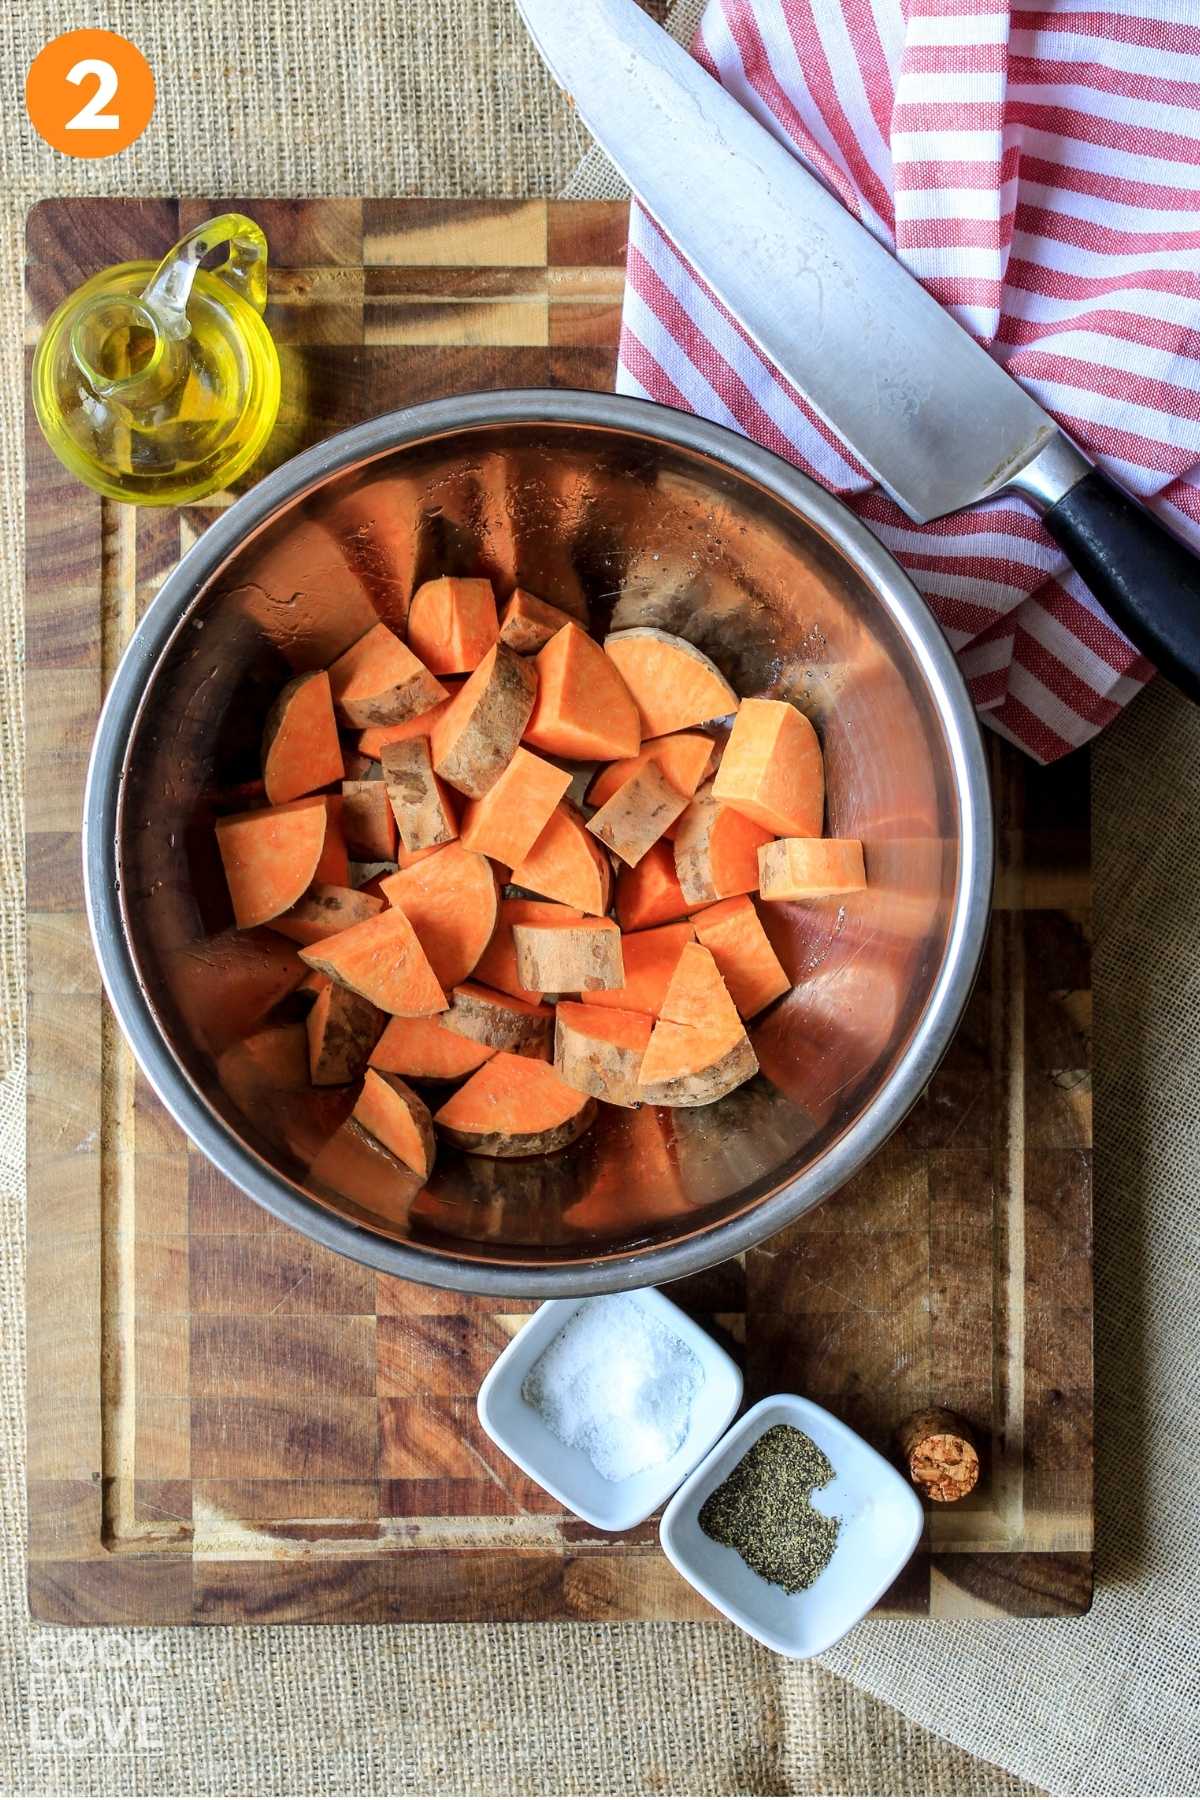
(497, 967)
(716, 850)
(452, 624)
(301, 751)
(514, 1106)
(271, 856)
(583, 708)
(451, 901)
(650, 894)
(803, 868)
(333, 864)
(527, 622)
(382, 960)
(324, 911)
(699, 1050)
(674, 684)
(650, 959)
(367, 822)
(772, 769)
(511, 816)
(378, 681)
(474, 739)
(567, 864)
(742, 951)
(372, 740)
(342, 1030)
(684, 757)
(399, 1119)
(426, 1051)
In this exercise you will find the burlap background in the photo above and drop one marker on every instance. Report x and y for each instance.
(444, 97)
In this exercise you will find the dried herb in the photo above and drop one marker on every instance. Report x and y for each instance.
(764, 1509)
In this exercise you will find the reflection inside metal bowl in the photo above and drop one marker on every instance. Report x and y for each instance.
(620, 529)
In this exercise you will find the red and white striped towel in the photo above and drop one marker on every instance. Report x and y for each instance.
(1039, 172)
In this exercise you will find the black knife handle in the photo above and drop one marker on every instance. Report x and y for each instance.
(1145, 579)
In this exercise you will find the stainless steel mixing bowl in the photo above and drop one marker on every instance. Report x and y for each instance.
(635, 515)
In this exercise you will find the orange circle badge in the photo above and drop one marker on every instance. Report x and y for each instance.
(90, 93)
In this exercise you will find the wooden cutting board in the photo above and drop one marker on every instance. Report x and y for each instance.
(229, 1424)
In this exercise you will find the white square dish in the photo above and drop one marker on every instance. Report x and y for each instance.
(513, 1424)
(881, 1516)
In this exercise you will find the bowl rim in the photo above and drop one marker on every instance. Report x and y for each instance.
(607, 1272)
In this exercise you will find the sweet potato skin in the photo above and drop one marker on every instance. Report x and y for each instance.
(342, 1031)
(527, 623)
(569, 958)
(701, 1088)
(528, 1143)
(367, 823)
(499, 1020)
(638, 814)
(422, 809)
(597, 1064)
(474, 739)
(324, 911)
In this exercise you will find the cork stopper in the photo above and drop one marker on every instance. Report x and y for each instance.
(940, 1454)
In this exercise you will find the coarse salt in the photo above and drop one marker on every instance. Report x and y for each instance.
(617, 1384)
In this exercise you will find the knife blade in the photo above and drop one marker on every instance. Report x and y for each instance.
(931, 415)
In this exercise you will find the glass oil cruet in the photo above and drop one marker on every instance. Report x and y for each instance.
(160, 383)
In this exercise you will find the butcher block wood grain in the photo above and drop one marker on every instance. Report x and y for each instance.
(228, 1424)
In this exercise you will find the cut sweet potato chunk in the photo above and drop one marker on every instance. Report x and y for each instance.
(270, 857)
(474, 739)
(699, 1049)
(716, 850)
(367, 823)
(451, 900)
(599, 1050)
(772, 769)
(425, 1050)
(804, 868)
(674, 684)
(324, 911)
(333, 864)
(685, 758)
(372, 740)
(342, 1028)
(301, 749)
(497, 967)
(379, 681)
(527, 622)
(650, 894)
(583, 709)
(514, 812)
(382, 960)
(514, 1106)
(400, 1119)
(638, 814)
(650, 959)
(742, 951)
(452, 624)
(421, 805)
(569, 956)
(567, 864)
(499, 1020)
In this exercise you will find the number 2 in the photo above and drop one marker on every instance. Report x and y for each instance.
(92, 116)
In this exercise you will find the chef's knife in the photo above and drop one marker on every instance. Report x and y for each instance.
(931, 415)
